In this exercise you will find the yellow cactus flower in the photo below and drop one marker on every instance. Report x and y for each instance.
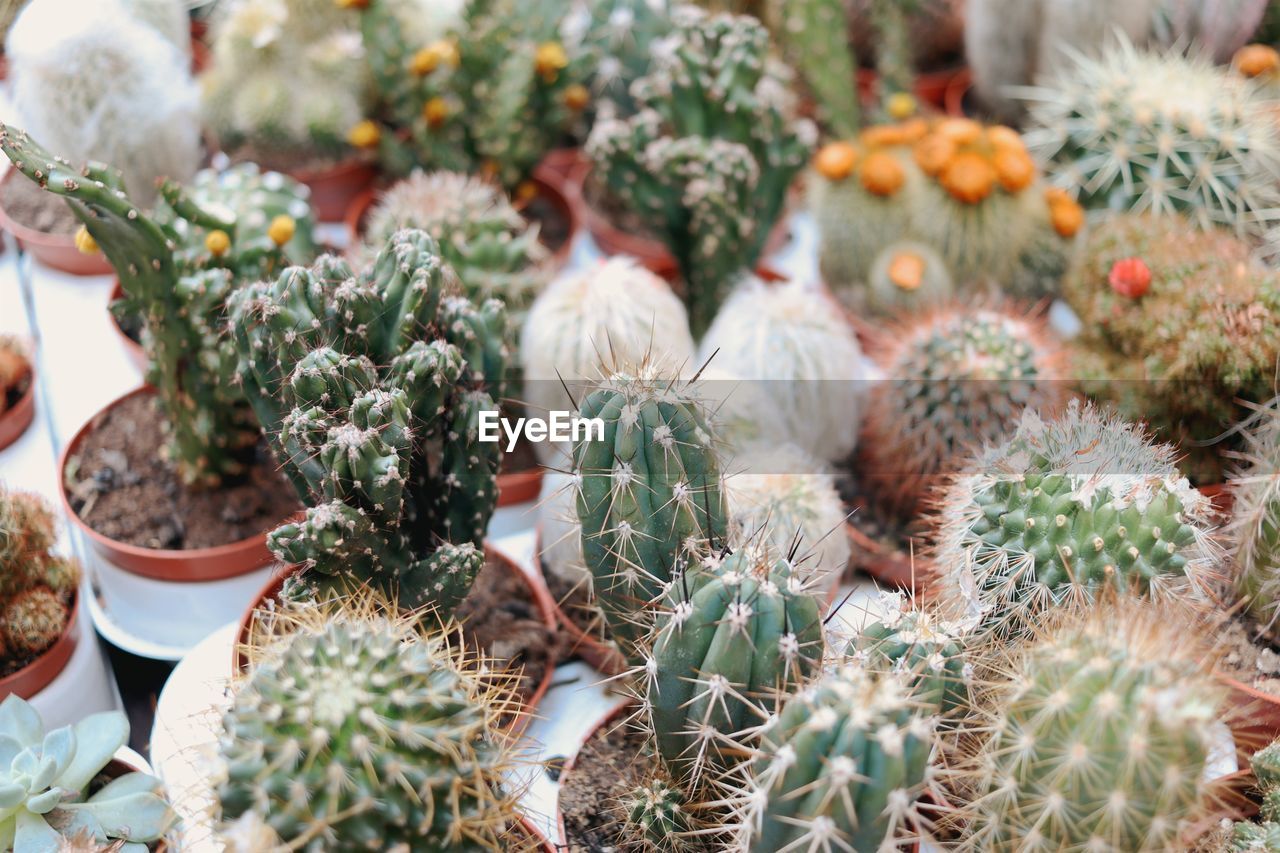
(85, 243)
(217, 242)
(424, 61)
(901, 105)
(576, 97)
(353, 4)
(281, 229)
(365, 134)
(526, 192)
(549, 59)
(435, 111)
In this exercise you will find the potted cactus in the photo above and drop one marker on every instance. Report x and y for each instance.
(1245, 835)
(17, 389)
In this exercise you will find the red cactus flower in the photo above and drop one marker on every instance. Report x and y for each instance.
(1130, 277)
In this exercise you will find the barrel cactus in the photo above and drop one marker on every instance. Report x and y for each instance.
(955, 379)
(1064, 510)
(371, 386)
(1253, 535)
(177, 268)
(357, 729)
(906, 276)
(37, 586)
(841, 768)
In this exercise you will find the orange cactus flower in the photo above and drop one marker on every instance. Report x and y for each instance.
(1254, 60)
(906, 270)
(1015, 171)
(961, 131)
(969, 177)
(882, 174)
(435, 111)
(549, 60)
(1066, 216)
(836, 160)
(933, 153)
(217, 242)
(282, 229)
(1130, 277)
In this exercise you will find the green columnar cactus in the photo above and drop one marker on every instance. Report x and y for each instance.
(491, 247)
(358, 730)
(177, 268)
(707, 159)
(1062, 511)
(648, 495)
(733, 636)
(1253, 535)
(491, 99)
(372, 386)
(1097, 738)
(617, 39)
(956, 379)
(840, 768)
(1161, 132)
(812, 34)
(36, 585)
(1178, 324)
(50, 795)
(895, 54)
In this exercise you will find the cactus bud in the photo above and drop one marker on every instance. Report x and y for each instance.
(836, 160)
(85, 243)
(1130, 277)
(365, 134)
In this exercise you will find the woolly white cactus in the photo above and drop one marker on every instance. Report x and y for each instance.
(615, 312)
(1254, 533)
(94, 83)
(792, 341)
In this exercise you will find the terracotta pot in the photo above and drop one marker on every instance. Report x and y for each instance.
(560, 165)
(536, 836)
(599, 655)
(1221, 497)
(56, 251)
(931, 86)
(334, 189)
(37, 675)
(1258, 714)
(132, 348)
(15, 419)
(185, 566)
(890, 567)
(957, 88)
(267, 598)
(518, 487)
(612, 716)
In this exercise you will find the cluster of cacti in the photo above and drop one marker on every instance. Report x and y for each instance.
(491, 98)
(357, 729)
(177, 268)
(1141, 131)
(492, 248)
(970, 193)
(1253, 535)
(36, 585)
(371, 385)
(53, 792)
(793, 342)
(100, 84)
(706, 159)
(616, 39)
(1098, 735)
(1263, 836)
(1177, 325)
(1064, 510)
(954, 380)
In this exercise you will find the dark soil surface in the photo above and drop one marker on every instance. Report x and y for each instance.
(1248, 659)
(28, 205)
(611, 763)
(576, 604)
(553, 223)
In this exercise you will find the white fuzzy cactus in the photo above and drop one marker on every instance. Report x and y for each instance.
(792, 341)
(92, 82)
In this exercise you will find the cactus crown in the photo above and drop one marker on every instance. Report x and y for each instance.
(371, 385)
(356, 729)
(177, 269)
(1253, 535)
(1064, 509)
(36, 584)
(707, 158)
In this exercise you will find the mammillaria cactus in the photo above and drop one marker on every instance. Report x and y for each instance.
(491, 247)
(955, 379)
(1098, 737)
(101, 85)
(1253, 535)
(48, 781)
(648, 495)
(177, 268)
(969, 192)
(371, 385)
(840, 769)
(793, 342)
(1064, 510)
(1248, 836)
(1177, 325)
(36, 585)
(491, 98)
(356, 729)
(706, 160)
(1140, 131)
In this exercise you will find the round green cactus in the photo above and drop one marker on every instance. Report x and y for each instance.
(906, 275)
(657, 817)
(36, 584)
(358, 730)
(1066, 508)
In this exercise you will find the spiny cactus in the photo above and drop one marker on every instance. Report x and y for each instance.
(36, 585)
(177, 268)
(1097, 738)
(793, 342)
(1253, 535)
(1065, 509)
(491, 99)
(614, 310)
(956, 379)
(970, 192)
(356, 729)
(101, 85)
(49, 785)
(657, 817)
(1177, 325)
(907, 275)
(648, 495)
(1140, 131)
(813, 38)
(617, 39)
(371, 385)
(706, 160)
(840, 768)
(1264, 836)
(491, 247)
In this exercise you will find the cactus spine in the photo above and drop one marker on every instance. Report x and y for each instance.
(36, 585)
(371, 385)
(1254, 532)
(618, 36)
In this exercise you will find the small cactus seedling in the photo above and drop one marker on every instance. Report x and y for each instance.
(177, 268)
(956, 379)
(1064, 510)
(357, 729)
(1264, 836)
(36, 585)
(371, 385)
(706, 160)
(1253, 535)
(907, 275)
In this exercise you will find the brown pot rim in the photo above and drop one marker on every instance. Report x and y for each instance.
(889, 567)
(597, 654)
(15, 420)
(518, 487)
(57, 251)
(536, 835)
(930, 88)
(624, 706)
(132, 348)
(957, 87)
(40, 673)
(193, 565)
(349, 167)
